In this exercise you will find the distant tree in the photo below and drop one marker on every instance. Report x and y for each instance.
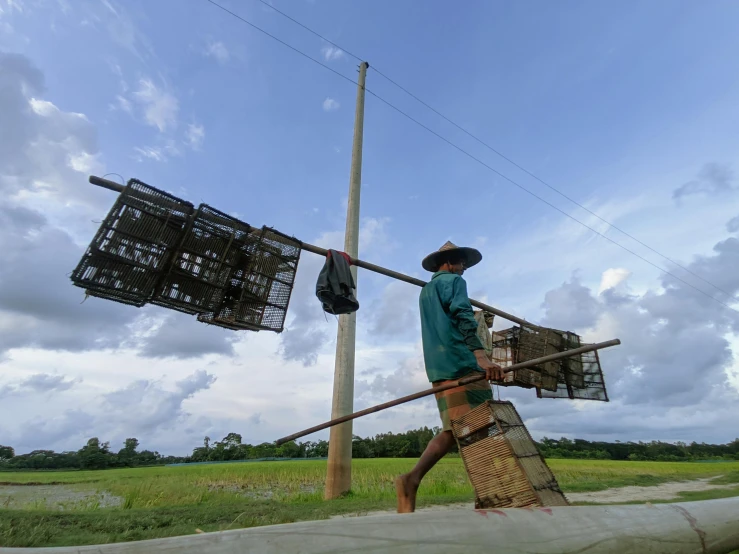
(148, 458)
(94, 455)
(230, 448)
(6, 452)
(316, 449)
(127, 456)
(290, 450)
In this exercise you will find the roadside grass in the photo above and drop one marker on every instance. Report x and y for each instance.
(168, 501)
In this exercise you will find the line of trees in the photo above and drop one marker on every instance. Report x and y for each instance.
(97, 455)
(638, 451)
(94, 455)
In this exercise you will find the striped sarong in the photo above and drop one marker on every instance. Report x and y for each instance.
(456, 402)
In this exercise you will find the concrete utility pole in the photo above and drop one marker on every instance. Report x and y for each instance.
(339, 474)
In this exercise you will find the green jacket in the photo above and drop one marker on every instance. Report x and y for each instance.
(448, 328)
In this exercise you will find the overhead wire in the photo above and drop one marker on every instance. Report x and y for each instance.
(459, 148)
(494, 150)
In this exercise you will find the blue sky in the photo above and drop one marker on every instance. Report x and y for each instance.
(617, 105)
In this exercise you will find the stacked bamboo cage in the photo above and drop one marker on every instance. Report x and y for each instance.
(155, 248)
(502, 461)
(133, 246)
(576, 377)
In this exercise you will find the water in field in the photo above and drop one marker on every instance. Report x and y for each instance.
(55, 497)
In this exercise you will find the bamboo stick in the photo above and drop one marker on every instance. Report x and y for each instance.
(117, 187)
(454, 384)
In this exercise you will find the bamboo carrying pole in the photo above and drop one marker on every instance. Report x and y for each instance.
(454, 384)
(117, 187)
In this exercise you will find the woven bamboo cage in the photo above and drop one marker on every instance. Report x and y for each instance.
(134, 245)
(576, 377)
(502, 461)
(215, 247)
(257, 297)
(580, 379)
(503, 354)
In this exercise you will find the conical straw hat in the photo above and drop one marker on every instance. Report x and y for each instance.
(432, 262)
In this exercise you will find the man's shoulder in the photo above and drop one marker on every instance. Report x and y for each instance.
(441, 285)
(445, 277)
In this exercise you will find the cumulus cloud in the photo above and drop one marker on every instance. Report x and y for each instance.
(310, 329)
(42, 147)
(408, 377)
(713, 178)
(160, 106)
(41, 161)
(612, 278)
(670, 373)
(37, 383)
(331, 53)
(395, 313)
(217, 50)
(175, 335)
(571, 306)
(669, 379)
(330, 105)
(144, 408)
(146, 405)
(39, 307)
(306, 331)
(70, 428)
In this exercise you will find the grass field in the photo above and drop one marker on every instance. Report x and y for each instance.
(89, 507)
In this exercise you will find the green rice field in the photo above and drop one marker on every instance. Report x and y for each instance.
(89, 507)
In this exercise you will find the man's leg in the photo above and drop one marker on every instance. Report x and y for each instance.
(407, 485)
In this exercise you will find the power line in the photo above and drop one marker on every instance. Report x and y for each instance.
(463, 151)
(237, 16)
(551, 187)
(573, 218)
(313, 32)
(494, 150)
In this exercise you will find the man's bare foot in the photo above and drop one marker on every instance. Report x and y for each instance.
(406, 491)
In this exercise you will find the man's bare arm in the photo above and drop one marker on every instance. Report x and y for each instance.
(493, 372)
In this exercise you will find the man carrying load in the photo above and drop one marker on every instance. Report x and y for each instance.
(451, 350)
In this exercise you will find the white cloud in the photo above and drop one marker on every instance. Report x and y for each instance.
(217, 50)
(330, 105)
(122, 30)
(148, 152)
(10, 7)
(160, 106)
(123, 104)
(195, 136)
(612, 278)
(331, 53)
(84, 162)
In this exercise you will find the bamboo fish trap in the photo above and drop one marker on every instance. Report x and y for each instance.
(502, 461)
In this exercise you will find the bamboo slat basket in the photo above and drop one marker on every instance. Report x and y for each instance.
(502, 461)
